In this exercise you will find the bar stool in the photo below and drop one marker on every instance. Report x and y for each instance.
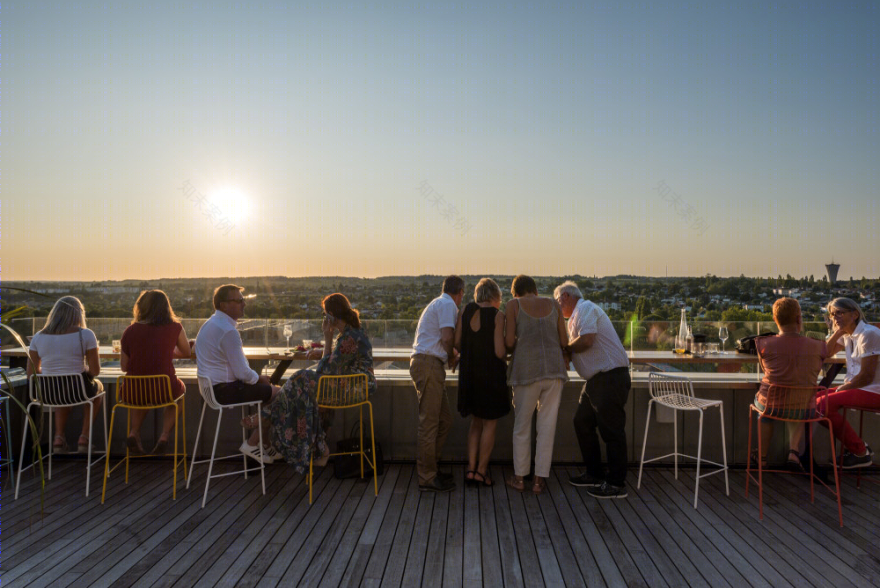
(147, 393)
(677, 393)
(340, 392)
(206, 389)
(61, 391)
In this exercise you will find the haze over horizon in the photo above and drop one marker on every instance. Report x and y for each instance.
(170, 140)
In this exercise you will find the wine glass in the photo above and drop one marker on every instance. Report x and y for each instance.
(723, 335)
(287, 332)
(307, 343)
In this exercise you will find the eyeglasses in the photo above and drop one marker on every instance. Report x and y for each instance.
(839, 313)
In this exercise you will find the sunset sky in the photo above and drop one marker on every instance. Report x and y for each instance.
(183, 139)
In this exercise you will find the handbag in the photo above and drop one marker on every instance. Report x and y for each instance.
(747, 344)
(349, 466)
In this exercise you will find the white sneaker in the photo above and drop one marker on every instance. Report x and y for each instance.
(254, 452)
(270, 452)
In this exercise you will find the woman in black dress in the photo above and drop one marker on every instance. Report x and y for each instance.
(482, 380)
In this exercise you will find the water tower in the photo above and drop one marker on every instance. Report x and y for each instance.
(832, 268)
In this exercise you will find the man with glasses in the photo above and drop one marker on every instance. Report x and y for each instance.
(220, 357)
(600, 359)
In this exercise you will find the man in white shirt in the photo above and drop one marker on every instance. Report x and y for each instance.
(600, 359)
(432, 351)
(220, 357)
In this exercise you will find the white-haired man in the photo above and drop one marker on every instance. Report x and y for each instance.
(600, 359)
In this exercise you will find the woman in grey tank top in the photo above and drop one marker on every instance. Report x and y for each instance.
(536, 334)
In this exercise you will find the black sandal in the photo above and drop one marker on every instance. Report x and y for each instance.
(794, 463)
(470, 481)
(485, 479)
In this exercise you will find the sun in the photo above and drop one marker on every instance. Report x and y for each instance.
(232, 202)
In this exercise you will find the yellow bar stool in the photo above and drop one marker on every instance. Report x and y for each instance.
(147, 393)
(341, 392)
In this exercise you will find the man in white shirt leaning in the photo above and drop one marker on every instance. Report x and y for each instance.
(600, 359)
(220, 357)
(432, 352)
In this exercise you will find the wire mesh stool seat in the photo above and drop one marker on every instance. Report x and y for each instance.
(206, 389)
(148, 393)
(61, 391)
(341, 392)
(790, 404)
(677, 393)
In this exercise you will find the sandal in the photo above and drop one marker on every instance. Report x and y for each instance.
(485, 480)
(251, 421)
(134, 445)
(82, 444)
(539, 485)
(471, 481)
(59, 445)
(161, 447)
(794, 463)
(516, 483)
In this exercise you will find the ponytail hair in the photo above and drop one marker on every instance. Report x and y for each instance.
(339, 306)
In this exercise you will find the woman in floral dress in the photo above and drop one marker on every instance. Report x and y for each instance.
(297, 425)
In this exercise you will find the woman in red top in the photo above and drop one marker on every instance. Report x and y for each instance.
(154, 338)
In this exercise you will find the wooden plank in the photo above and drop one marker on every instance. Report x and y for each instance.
(418, 545)
(642, 556)
(846, 557)
(525, 545)
(597, 546)
(154, 557)
(753, 565)
(712, 565)
(384, 540)
(575, 560)
(471, 561)
(816, 563)
(289, 529)
(163, 563)
(99, 531)
(432, 576)
(453, 556)
(388, 561)
(118, 558)
(39, 550)
(326, 548)
(499, 554)
(547, 556)
(300, 546)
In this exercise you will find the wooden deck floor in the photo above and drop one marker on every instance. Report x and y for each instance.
(470, 537)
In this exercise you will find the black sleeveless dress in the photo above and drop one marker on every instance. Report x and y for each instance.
(482, 380)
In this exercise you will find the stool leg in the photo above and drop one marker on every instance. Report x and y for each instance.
(699, 456)
(724, 449)
(243, 439)
(373, 441)
(645, 443)
(262, 463)
(24, 433)
(196, 446)
(213, 451)
(675, 440)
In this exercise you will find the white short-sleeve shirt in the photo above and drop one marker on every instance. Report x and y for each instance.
(607, 352)
(63, 354)
(864, 342)
(441, 313)
(219, 355)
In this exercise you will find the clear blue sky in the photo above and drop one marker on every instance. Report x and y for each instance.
(547, 129)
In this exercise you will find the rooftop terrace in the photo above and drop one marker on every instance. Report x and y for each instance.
(470, 537)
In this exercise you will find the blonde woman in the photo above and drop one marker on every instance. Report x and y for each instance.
(66, 346)
(482, 387)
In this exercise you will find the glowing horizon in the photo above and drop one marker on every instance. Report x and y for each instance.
(166, 141)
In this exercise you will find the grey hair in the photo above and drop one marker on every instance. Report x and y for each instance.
(846, 304)
(567, 287)
(68, 312)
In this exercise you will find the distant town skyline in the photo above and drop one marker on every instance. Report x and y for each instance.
(167, 140)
